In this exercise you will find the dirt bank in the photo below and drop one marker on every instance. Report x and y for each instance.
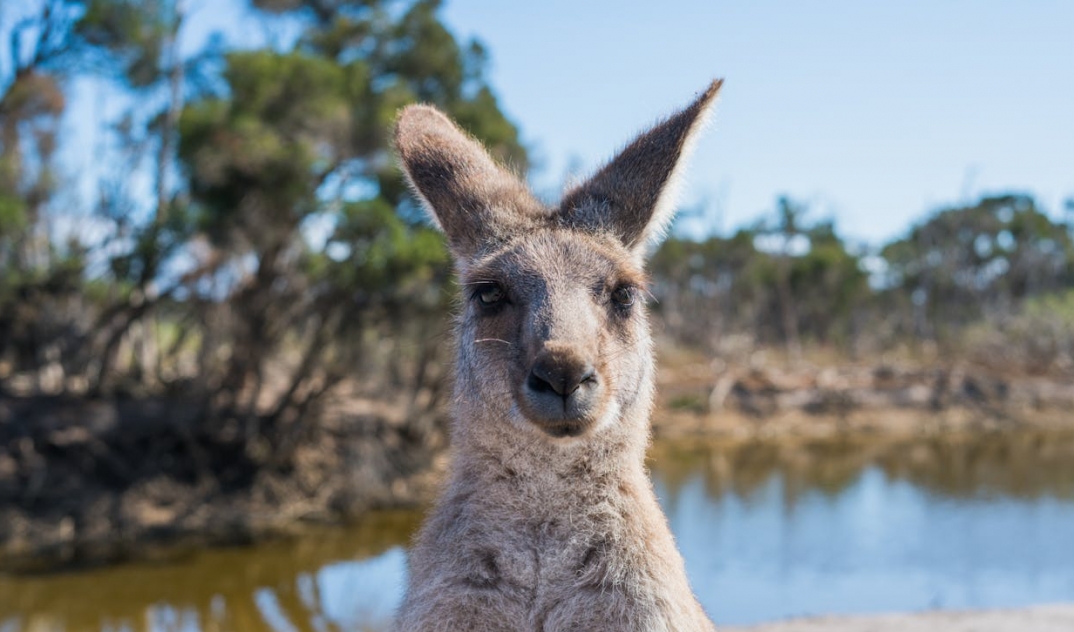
(699, 397)
(84, 482)
(1056, 618)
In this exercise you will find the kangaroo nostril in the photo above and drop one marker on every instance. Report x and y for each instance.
(562, 378)
(539, 383)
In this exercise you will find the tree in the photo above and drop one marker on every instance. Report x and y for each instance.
(818, 283)
(281, 239)
(777, 282)
(31, 103)
(965, 261)
(704, 290)
(299, 139)
(787, 233)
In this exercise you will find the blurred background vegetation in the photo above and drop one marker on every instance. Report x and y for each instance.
(237, 322)
(280, 253)
(274, 270)
(276, 259)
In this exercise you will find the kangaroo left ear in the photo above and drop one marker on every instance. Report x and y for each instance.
(476, 202)
(634, 195)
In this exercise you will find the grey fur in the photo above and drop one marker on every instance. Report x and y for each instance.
(548, 521)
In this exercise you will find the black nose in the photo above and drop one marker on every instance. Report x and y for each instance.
(560, 375)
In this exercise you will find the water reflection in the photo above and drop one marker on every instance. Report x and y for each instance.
(333, 579)
(1022, 465)
(768, 530)
(773, 531)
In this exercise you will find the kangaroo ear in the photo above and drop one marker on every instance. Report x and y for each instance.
(476, 202)
(633, 196)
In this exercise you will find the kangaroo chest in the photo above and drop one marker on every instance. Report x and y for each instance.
(529, 559)
(566, 571)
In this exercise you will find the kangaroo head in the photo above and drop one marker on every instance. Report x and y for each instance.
(553, 333)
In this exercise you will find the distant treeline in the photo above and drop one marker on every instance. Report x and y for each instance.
(988, 282)
(248, 245)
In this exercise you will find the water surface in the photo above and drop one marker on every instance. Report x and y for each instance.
(768, 531)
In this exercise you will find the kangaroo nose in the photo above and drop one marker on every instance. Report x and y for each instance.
(562, 393)
(562, 375)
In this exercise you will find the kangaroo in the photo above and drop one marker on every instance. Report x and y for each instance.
(548, 520)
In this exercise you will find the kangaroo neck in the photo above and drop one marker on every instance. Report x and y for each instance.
(526, 464)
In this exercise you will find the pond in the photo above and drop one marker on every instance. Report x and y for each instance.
(769, 531)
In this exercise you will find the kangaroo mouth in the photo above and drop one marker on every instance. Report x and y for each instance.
(560, 415)
(562, 391)
(564, 428)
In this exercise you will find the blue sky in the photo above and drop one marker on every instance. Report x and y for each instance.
(875, 112)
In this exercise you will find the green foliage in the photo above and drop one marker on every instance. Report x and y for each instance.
(257, 157)
(151, 245)
(31, 104)
(1037, 338)
(289, 246)
(689, 402)
(12, 214)
(828, 285)
(131, 31)
(963, 262)
(718, 286)
(383, 251)
(301, 138)
(1059, 306)
(284, 254)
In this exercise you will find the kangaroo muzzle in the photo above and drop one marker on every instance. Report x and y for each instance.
(562, 391)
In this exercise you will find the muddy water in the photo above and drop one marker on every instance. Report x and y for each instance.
(768, 531)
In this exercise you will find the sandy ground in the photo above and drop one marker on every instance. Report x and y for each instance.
(1057, 618)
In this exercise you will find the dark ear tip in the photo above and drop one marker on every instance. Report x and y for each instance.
(711, 92)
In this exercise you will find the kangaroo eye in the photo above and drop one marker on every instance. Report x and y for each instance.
(623, 296)
(490, 295)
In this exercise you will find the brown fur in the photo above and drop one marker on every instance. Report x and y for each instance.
(548, 521)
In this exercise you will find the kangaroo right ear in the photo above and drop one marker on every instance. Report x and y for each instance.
(476, 202)
(633, 196)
